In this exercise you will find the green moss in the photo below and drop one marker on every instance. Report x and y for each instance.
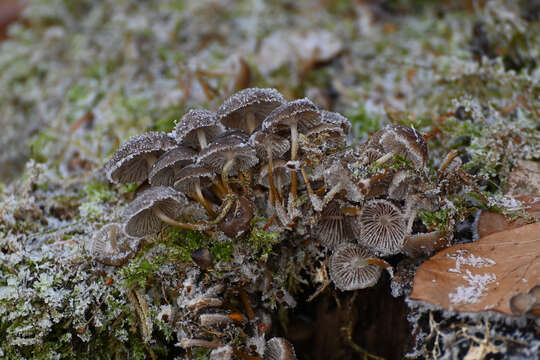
(262, 242)
(362, 122)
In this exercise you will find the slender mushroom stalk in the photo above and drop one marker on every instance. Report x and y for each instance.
(294, 150)
(273, 194)
(225, 174)
(201, 136)
(251, 123)
(315, 200)
(202, 200)
(206, 225)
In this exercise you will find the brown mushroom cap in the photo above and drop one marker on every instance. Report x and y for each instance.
(521, 303)
(264, 142)
(238, 220)
(301, 112)
(279, 349)
(167, 166)
(329, 136)
(334, 118)
(192, 175)
(333, 228)
(131, 163)
(111, 246)
(225, 149)
(383, 227)
(404, 141)
(139, 218)
(349, 269)
(195, 120)
(203, 258)
(254, 102)
(399, 186)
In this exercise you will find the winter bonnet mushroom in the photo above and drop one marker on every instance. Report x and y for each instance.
(333, 228)
(279, 349)
(167, 166)
(131, 163)
(404, 141)
(246, 109)
(197, 128)
(350, 268)
(192, 179)
(382, 227)
(111, 246)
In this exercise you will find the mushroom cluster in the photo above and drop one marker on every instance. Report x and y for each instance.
(289, 162)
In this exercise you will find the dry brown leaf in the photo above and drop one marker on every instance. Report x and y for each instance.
(483, 275)
(490, 222)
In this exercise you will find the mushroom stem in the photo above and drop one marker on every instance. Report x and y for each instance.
(250, 119)
(202, 138)
(188, 343)
(273, 193)
(294, 150)
(202, 200)
(219, 190)
(381, 263)
(205, 225)
(243, 181)
(225, 174)
(383, 159)
(330, 195)
(315, 201)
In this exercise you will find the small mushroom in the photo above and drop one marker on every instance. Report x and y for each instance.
(404, 141)
(352, 267)
(131, 163)
(202, 257)
(192, 179)
(521, 303)
(334, 118)
(167, 166)
(383, 227)
(333, 228)
(399, 186)
(295, 116)
(279, 349)
(326, 137)
(338, 177)
(281, 177)
(424, 244)
(246, 109)
(238, 220)
(143, 216)
(228, 155)
(197, 128)
(111, 246)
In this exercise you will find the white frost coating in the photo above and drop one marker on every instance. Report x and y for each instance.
(471, 294)
(461, 258)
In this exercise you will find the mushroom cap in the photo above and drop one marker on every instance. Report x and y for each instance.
(383, 227)
(405, 141)
(282, 174)
(521, 303)
(203, 258)
(111, 246)
(238, 219)
(185, 131)
(279, 349)
(133, 160)
(302, 112)
(165, 168)
(337, 174)
(263, 141)
(219, 152)
(334, 118)
(260, 102)
(535, 292)
(330, 136)
(139, 219)
(349, 270)
(187, 178)
(333, 228)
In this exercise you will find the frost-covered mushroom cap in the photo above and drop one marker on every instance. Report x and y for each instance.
(164, 170)
(218, 153)
(255, 102)
(191, 176)
(333, 228)
(349, 269)
(133, 160)
(111, 246)
(185, 131)
(264, 142)
(334, 118)
(404, 141)
(279, 349)
(383, 227)
(328, 135)
(139, 218)
(399, 186)
(302, 112)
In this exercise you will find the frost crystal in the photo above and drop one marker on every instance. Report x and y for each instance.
(471, 260)
(471, 294)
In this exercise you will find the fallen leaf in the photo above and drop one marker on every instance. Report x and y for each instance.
(483, 275)
(490, 222)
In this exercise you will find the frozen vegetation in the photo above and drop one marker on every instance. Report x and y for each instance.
(79, 78)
